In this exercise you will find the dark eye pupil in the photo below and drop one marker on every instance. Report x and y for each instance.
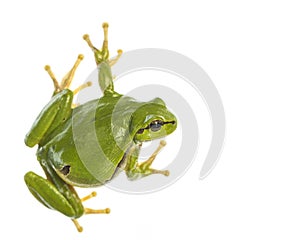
(156, 125)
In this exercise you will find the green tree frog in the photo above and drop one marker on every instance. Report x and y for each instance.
(120, 139)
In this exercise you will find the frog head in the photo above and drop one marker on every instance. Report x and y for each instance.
(152, 120)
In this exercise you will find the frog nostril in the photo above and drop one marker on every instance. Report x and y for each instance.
(140, 131)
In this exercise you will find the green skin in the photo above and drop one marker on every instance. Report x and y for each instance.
(119, 133)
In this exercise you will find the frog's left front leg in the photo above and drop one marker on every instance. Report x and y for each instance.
(135, 170)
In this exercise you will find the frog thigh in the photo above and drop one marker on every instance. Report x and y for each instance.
(56, 111)
(45, 192)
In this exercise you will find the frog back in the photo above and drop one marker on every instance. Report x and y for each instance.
(87, 149)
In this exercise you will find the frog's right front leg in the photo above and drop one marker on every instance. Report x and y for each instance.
(135, 170)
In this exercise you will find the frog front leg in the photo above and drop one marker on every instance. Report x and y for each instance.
(135, 170)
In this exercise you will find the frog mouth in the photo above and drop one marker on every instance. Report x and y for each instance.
(155, 126)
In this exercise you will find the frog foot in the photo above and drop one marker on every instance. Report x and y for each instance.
(145, 166)
(113, 61)
(89, 211)
(67, 80)
(139, 170)
(103, 53)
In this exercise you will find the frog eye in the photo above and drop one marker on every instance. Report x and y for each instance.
(156, 125)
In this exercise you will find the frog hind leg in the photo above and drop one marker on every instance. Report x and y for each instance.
(56, 194)
(135, 170)
(46, 193)
(58, 109)
(53, 114)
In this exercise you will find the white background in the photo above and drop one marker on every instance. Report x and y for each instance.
(251, 51)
